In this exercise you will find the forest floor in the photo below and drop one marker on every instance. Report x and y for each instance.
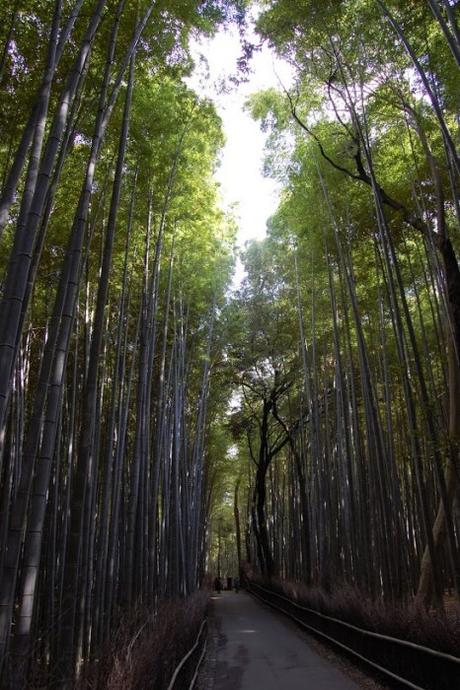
(250, 647)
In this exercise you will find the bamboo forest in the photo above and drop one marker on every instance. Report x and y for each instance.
(184, 412)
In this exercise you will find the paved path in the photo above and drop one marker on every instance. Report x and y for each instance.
(261, 650)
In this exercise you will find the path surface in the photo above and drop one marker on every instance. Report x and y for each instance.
(260, 650)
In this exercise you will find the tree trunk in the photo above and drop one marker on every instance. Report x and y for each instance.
(425, 585)
(236, 513)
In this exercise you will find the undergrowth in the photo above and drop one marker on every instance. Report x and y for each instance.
(147, 646)
(436, 629)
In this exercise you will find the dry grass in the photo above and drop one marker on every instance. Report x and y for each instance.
(433, 628)
(147, 646)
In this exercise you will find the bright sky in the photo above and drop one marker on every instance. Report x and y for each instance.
(240, 173)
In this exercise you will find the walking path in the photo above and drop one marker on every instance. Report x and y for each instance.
(258, 649)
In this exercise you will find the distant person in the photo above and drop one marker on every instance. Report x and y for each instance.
(236, 584)
(217, 585)
(229, 584)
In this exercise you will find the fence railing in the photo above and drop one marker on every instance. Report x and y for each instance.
(182, 664)
(410, 664)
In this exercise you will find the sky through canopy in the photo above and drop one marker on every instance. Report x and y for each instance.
(243, 185)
